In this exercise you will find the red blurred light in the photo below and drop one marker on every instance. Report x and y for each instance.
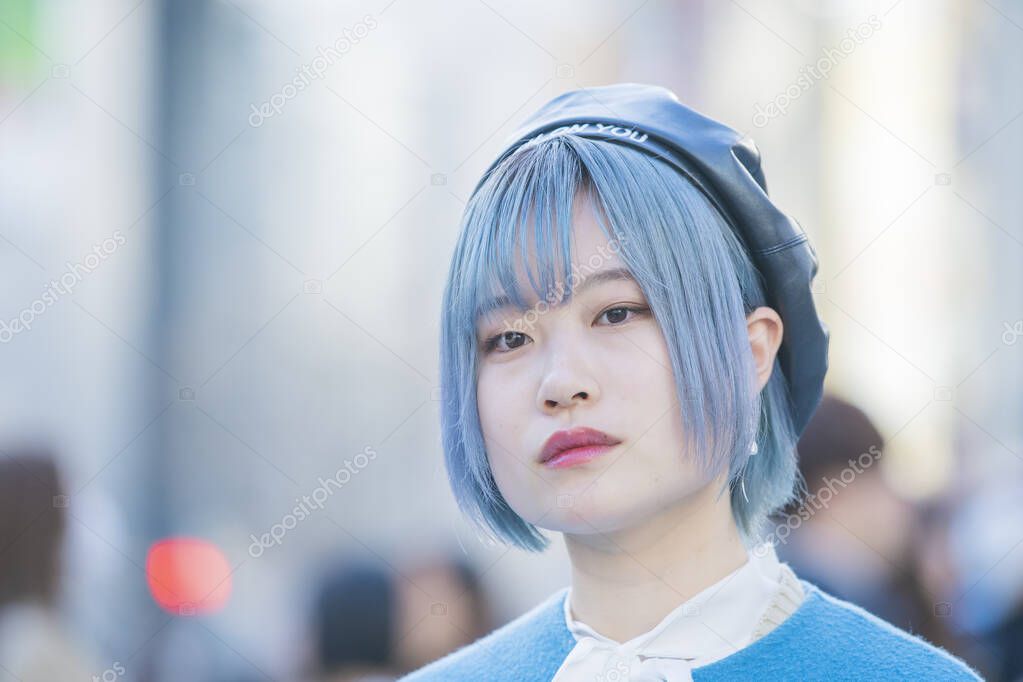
(188, 576)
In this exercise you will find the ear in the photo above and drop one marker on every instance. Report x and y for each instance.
(765, 330)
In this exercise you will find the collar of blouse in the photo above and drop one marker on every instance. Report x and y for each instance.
(713, 624)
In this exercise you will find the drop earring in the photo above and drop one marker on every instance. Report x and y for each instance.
(753, 449)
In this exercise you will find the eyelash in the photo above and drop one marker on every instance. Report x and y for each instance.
(490, 343)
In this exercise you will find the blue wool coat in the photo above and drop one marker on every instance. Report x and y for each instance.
(824, 639)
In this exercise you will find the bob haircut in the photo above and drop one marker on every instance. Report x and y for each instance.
(699, 282)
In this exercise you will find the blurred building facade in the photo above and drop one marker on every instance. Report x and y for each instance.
(286, 181)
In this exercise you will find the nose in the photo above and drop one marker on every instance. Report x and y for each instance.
(566, 382)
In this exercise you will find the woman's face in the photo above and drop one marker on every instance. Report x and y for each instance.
(599, 361)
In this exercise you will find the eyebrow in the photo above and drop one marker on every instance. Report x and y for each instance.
(594, 279)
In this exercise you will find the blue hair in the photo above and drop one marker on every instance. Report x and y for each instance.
(700, 284)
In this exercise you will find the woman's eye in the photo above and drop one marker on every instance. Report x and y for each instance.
(619, 314)
(510, 339)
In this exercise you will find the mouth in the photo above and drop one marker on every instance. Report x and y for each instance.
(575, 446)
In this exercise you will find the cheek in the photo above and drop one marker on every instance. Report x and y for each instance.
(653, 411)
(493, 402)
(502, 413)
(505, 405)
(650, 382)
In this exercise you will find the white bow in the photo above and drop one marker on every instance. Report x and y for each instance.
(595, 661)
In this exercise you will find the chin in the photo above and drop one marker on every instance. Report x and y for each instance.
(589, 514)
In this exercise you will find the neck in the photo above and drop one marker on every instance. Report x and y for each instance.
(654, 566)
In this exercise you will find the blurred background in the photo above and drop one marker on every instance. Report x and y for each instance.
(224, 231)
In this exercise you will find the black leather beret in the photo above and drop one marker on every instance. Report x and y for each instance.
(725, 166)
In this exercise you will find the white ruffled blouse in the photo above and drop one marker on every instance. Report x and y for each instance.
(713, 624)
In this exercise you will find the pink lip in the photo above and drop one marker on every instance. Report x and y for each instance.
(575, 446)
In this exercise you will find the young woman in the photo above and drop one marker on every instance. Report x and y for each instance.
(629, 352)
